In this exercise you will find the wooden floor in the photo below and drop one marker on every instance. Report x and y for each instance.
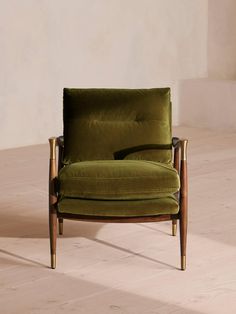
(115, 268)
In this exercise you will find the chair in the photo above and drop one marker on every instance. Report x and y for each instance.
(115, 162)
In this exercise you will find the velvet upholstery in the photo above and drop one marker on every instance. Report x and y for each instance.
(100, 122)
(117, 153)
(118, 180)
(135, 208)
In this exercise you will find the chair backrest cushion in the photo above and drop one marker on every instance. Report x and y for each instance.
(98, 123)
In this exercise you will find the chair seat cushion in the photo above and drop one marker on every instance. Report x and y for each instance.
(117, 180)
(128, 208)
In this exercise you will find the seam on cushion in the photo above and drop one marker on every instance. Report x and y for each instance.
(110, 161)
(162, 165)
(131, 192)
(95, 120)
(103, 178)
(171, 196)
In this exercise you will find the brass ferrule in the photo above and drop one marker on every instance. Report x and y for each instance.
(53, 261)
(174, 229)
(52, 144)
(184, 144)
(183, 262)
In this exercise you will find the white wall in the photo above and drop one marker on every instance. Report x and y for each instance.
(222, 39)
(50, 44)
(208, 103)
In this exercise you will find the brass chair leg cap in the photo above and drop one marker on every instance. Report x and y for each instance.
(53, 261)
(183, 262)
(174, 229)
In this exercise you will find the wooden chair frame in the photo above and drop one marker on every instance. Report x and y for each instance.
(180, 164)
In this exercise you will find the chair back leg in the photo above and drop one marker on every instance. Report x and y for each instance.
(174, 227)
(60, 221)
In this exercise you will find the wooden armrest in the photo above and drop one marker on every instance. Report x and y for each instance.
(60, 141)
(121, 154)
(182, 144)
(175, 142)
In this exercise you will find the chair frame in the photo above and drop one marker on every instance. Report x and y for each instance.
(180, 164)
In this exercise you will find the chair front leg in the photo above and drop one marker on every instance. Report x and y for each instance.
(183, 203)
(52, 201)
(53, 236)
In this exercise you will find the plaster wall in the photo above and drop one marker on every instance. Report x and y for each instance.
(208, 103)
(221, 39)
(48, 45)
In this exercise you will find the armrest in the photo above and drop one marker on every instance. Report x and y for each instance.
(175, 142)
(179, 145)
(121, 154)
(183, 172)
(60, 141)
(182, 144)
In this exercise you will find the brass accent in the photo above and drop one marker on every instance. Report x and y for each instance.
(53, 144)
(174, 229)
(183, 262)
(184, 144)
(53, 261)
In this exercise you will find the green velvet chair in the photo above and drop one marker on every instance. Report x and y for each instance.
(117, 162)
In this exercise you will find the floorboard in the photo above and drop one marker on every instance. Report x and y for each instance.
(115, 268)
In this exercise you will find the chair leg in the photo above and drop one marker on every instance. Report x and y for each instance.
(53, 236)
(183, 212)
(183, 240)
(60, 220)
(183, 218)
(174, 227)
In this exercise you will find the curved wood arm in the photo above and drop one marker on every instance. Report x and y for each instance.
(183, 169)
(121, 154)
(176, 145)
(60, 143)
(175, 142)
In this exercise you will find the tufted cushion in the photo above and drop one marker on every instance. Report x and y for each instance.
(100, 122)
(118, 180)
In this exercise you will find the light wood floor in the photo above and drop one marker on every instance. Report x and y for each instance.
(120, 268)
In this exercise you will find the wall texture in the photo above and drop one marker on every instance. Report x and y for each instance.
(208, 103)
(50, 44)
(221, 39)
